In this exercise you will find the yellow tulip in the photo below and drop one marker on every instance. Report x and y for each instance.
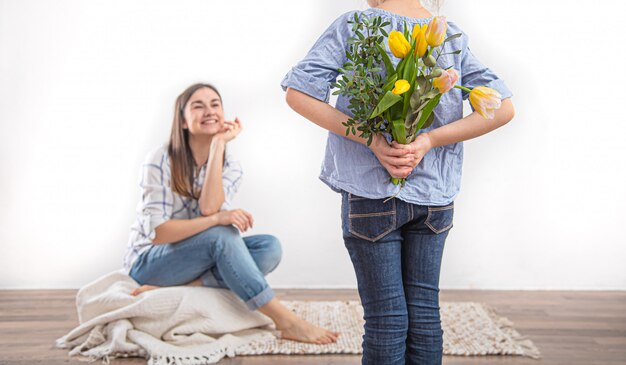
(419, 34)
(436, 31)
(485, 101)
(400, 87)
(446, 81)
(398, 45)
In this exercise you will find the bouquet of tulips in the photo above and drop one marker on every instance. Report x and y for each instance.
(401, 100)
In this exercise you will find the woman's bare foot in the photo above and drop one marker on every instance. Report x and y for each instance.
(295, 328)
(303, 331)
(142, 289)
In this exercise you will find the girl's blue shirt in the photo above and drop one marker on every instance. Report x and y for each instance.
(353, 167)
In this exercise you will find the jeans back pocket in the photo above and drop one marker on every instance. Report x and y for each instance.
(439, 219)
(371, 219)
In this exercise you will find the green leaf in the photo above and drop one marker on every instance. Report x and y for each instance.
(420, 107)
(395, 112)
(408, 75)
(390, 82)
(429, 121)
(386, 60)
(455, 52)
(400, 68)
(409, 123)
(406, 31)
(413, 75)
(388, 100)
(423, 84)
(398, 131)
(415, 99)
(409, 68)
(427, 111)
(414, 119)
(454, 36)
(430, 94)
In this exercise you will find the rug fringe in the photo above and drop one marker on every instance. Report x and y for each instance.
(186, 360)
(527, 346)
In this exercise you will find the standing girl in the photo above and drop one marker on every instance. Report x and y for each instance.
(186, 232)
(395, 245)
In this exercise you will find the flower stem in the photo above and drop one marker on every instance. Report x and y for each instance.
(463, 88)
(399, 182)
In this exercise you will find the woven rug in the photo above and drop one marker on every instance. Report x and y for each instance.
(470, 329)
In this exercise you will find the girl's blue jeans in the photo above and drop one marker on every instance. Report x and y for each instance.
(220, 257)
(396, 249)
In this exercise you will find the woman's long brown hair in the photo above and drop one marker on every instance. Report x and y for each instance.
(181, 159)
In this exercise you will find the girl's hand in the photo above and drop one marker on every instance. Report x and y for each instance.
(237, 217)
(397, 161)
(416, 150)
(230, 130)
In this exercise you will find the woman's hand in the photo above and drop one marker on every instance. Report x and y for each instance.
(415, 150)
(237, 217)
(230, 130)
(398, 162)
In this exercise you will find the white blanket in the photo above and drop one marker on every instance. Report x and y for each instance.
(177, 325)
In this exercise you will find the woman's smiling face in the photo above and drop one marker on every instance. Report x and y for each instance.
(203, 113)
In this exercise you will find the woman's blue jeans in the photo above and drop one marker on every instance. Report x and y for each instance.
(396, 249)
(220, 257)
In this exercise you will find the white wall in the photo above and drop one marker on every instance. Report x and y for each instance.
(87, 88)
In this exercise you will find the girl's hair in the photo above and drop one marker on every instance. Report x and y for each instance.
(181, 159)
(433, 5)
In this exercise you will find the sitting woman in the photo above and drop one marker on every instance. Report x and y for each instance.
(186, 234)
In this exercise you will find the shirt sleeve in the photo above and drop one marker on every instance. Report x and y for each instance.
(157, 198)
(232, 175)
(319, 69)
(474, 73)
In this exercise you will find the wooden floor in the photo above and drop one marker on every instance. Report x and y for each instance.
(570, 328)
